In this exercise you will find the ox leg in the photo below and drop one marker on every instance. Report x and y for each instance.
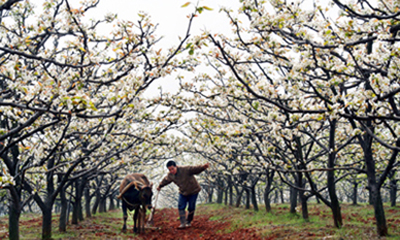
(136, 220)
(140, 220)
(142, 217)
(125, 216)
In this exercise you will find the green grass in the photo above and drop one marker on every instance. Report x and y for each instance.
(358, 221)
(102, 226)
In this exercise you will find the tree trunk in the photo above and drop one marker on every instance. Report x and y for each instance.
(293, 200)
(112, 205)
(102, 205)
(96, 203)
(254, 198)
(62, 225)
(87, 202)
(281, 194)
(355, 193)
(303, 199)
(230, 193)
(210, 194)
(75, 209)
(15, 191)
(379, 211)
(226, 196)
(77, 214)
(103, 200)
(267, 200)
(247, 198)
(393, 191)
(14, 212)
(99, 181)
(46, 221)
(220, 195)
(81, 188)
(267, 190)
(220, 190)
(335, 205)
(80, 209)
(69, 206)
(374, 189)
(370, 200)
(376, 199)
(239, 197)
(304, 207)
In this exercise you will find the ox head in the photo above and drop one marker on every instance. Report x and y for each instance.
(146, 195)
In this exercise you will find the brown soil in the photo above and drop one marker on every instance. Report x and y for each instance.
(166, 220)
(202, 228)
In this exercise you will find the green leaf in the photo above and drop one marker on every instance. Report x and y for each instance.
(207, 8)
(186, 4)
(256, 105)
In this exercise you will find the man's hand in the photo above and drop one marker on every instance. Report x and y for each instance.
(158, 189)
(207, 165)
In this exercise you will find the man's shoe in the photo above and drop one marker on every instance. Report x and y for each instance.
(188, 224)
(182, 226)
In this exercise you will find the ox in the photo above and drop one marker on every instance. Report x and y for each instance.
(135, 192)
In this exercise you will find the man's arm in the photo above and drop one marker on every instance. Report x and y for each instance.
(198, 169)
(164, 183)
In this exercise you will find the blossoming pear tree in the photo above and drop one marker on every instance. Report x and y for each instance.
(334, 64)
(72, 104)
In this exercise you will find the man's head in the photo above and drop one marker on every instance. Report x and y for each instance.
(171, 165)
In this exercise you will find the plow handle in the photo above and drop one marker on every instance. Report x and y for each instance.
(153, 209)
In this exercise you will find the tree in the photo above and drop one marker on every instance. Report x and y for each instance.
(319, 68)
(72, 96)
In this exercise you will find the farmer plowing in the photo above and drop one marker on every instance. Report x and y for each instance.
(189, 188)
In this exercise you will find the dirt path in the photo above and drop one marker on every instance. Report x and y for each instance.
(202, 228)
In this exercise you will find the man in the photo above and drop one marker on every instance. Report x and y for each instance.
(189, 188)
